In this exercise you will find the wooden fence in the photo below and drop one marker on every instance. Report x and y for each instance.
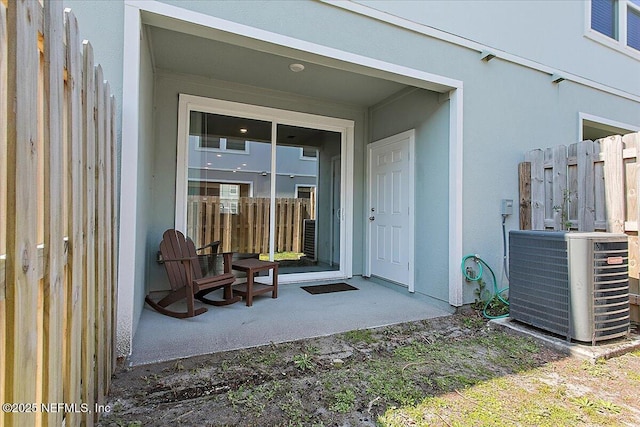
(587, 186)
(246, 230)
(58, 220)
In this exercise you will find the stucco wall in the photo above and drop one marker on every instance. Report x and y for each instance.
(547, 32)
(425, 112)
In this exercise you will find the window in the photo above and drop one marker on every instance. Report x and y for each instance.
(305, 192)
(633, 24)
(594, 127)
(308, 153)
(619, 20)
(603, 17)
(205, 130)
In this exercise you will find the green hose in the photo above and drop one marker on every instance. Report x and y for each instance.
(497, 293)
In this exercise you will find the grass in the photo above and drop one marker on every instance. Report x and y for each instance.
(303, 362)
(359, 335)
(283, 256)
(453, 373)
(344, 401)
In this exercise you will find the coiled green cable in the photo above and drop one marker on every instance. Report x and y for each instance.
(497, 293)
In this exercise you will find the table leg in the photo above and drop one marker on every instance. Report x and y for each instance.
(250, 274)
(274, 293)
(228, 293)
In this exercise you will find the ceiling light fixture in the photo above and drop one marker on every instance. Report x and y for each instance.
(243, 130)
(296, 68)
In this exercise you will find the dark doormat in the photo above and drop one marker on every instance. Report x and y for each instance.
(332, 287)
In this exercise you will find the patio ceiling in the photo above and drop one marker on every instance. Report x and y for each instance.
(191, 54)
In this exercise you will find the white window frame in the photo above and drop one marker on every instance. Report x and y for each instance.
(582, 117)
(223, 147)
(298, 186)
(307, 158)
(619, 44)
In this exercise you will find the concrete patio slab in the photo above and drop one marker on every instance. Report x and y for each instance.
(294, 315)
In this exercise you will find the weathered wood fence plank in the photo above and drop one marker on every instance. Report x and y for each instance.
(536, 159)
(114, 218)
(614, 180)
(75, 189)
(3, 197)
(524, 174)
(89, 310)
(21, 275)
(54, 230)
(586, 186)
(100, 237)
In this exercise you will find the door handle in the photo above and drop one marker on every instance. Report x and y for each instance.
(372, 218)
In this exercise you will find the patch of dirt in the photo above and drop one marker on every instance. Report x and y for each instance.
(421, 373)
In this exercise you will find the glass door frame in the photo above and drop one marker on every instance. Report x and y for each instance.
(345, 128)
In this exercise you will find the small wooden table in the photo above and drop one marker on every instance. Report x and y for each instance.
(252, 266)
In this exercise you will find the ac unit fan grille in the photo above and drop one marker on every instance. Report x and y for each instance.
(610, 290)
(541, 267)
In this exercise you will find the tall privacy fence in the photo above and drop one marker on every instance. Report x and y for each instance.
(57, 220)
(587, 186)
(245, 228)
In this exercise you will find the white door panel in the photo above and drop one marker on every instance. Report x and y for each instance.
(390, 213)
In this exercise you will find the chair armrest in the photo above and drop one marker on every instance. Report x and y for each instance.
(179, 259)
(212, 245)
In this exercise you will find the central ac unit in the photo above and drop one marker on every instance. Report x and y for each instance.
(572, 284)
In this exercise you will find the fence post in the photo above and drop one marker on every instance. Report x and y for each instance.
(524, 179)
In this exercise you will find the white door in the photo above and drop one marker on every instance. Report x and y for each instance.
(390, 211)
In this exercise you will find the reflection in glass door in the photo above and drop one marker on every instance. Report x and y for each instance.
(265, 183)
(229, 182)
(303, 186)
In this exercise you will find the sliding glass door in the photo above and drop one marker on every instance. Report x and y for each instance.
(264, 184)
(304, 212)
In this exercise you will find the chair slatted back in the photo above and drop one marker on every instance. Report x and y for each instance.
(195, 266)
(174, 246)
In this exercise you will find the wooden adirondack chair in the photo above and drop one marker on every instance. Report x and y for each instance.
(185, 276)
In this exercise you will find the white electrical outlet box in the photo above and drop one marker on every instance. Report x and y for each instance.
(507, 207)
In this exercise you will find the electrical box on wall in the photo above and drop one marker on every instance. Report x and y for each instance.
(507, 207)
